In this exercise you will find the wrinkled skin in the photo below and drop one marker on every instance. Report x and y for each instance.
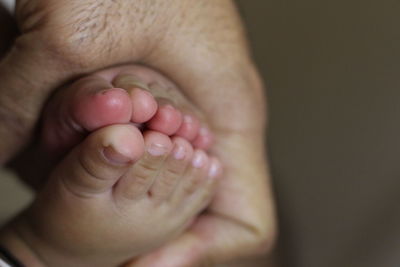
(200, 45)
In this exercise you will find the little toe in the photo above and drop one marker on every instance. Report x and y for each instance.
(172, 169)
(96, 164)
(138, 180)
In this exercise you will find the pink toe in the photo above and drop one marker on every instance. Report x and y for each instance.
(144, 106)
(215, 169)
(200, 159)
(93, 111)
(204, 140)
(167, 120)
(189, 128)
(66, 119)
(182, 145)
(157, 143)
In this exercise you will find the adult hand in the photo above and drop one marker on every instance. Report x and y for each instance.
(201, 46)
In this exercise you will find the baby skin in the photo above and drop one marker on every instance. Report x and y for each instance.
(135, 174)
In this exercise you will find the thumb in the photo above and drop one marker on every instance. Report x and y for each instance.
(27, 73)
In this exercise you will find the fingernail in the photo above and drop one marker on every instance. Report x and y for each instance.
(179, 152)
(214, 169)
(199, 159)
(115, 157)
(156, 149)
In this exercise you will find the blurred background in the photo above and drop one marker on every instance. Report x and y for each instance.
(332, 73)
(331, 69)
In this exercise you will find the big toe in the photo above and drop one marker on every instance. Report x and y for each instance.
(100, 160)
(86, 105)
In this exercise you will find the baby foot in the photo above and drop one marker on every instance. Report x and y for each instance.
(132, 93)
(116, 195)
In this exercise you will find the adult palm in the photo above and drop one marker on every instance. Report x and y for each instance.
(200, 45)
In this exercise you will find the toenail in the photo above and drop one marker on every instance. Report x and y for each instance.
(214, 169)
(179, 152)
(199, 159)
(168, 106)
(115, 157)
(157, 149)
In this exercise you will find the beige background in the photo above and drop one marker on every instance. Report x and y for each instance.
(333, 87)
